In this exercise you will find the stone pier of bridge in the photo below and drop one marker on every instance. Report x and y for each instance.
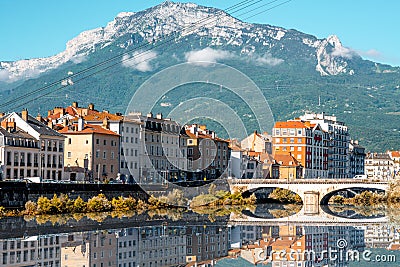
(313, 192)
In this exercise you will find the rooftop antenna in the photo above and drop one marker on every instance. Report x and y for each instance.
(319, 100)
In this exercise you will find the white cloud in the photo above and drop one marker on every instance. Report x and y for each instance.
(139, 60)
(267, 59)
(78, 59)
(341, 51)
(207, 56)
(4, 76)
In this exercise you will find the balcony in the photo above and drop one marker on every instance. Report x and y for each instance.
(22, 164)
(16, 163)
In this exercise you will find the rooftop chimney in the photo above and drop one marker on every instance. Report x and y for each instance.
(149, 115)
(39, 117)
(81, 123)
(91, 106)
(159, 116)
(106, 124)
(24, 114)
(75, 104)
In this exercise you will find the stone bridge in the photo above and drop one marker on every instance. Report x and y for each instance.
(313, 192)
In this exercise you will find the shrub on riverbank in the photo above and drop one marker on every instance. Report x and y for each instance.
(222, 198)
(285, 196)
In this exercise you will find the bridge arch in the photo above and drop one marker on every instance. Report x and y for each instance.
(267, 187)
(324, 200)
(311, 191)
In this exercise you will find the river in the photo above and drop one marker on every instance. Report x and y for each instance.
(265, 235)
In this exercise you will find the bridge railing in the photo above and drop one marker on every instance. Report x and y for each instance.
(303, 181)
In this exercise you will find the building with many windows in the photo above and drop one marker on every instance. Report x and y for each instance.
(356, 159)
(379, 166)
(208, 155)
(93, 147)
(338, 143)
(306, 142)
(30, 148)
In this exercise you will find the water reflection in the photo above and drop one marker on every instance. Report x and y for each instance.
(191, 239)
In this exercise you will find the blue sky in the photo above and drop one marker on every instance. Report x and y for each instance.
(41, 28)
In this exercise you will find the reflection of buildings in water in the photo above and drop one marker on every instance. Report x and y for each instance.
(89, 249)
(207, 243)
(141, 246)
(32, 251)
(382, 236)
(245, 234)
(161, 246)
(317, 239)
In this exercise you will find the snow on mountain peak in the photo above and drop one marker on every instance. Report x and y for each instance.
(179, 19)
(332, 55)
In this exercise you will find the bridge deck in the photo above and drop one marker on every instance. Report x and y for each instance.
(304, 181)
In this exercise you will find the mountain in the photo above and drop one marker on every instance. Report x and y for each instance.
(296, 72)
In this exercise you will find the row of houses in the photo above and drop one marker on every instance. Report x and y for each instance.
(83, 144)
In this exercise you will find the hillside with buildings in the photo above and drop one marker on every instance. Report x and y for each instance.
(76, 143)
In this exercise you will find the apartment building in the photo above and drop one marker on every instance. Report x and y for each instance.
(30, 148)
(306, 142)
(162, 149)
(93, 147)
(337, 141)
(208, 155)
(379, 166)
(356, 159)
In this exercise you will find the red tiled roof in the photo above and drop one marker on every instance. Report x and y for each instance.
(285, 158)
(396, 154)
(290, 124)
(88, 129)
(99, 116)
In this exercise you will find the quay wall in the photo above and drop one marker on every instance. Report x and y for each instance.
(16, 194)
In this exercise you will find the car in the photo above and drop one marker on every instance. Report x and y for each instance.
(360, 176)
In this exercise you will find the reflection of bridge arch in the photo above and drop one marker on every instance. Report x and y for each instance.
(321, 218)
(325, 199)
(311, 191)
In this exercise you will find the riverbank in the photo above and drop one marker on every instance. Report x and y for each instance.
(63, 204)
(367, 198)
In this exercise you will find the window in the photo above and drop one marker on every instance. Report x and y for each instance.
(112, 168)
(97, 153)
(86, 141)
(97, 141)
(112, 155)
(69, 141)
(299, 148)
(69, 154)
(299, 140)
(105, 142)
(277, 140)
(104, 154)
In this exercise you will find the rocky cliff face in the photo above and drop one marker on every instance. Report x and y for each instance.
(185, 19)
